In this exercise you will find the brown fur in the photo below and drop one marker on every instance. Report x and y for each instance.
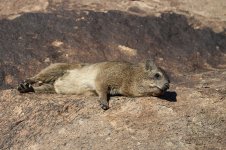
(114, 78)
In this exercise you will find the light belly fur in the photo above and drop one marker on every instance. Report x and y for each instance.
(77, 81)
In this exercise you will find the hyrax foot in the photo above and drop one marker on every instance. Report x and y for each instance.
(25, 87)
(104, 107)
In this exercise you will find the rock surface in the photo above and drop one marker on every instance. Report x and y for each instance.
(192, 118)
(187, 39)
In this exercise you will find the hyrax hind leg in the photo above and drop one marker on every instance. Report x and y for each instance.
(26, 87)
(46, 78)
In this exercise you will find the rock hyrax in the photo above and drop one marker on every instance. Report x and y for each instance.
(103, 79)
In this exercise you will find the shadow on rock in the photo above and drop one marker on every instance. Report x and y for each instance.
(169, 96)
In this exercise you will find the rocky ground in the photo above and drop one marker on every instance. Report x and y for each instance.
(188, 39)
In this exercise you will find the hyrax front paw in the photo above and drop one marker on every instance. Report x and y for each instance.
(104, 106)
(25, 87)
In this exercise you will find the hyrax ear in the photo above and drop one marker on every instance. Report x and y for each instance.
(150, 65)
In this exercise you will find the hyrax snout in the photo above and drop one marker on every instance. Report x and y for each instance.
(103, 79)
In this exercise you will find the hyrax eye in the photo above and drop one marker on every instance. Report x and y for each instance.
(157, 76)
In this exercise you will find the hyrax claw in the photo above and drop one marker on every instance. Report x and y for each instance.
(25, 87)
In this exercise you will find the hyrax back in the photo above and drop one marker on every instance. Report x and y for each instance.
(105, 78)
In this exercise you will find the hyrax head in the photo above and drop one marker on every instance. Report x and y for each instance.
(155, 81)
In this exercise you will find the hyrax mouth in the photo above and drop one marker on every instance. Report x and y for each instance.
(165, 87)
(157, 92)
(160, 91)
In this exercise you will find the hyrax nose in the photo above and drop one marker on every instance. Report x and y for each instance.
(165, 87)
